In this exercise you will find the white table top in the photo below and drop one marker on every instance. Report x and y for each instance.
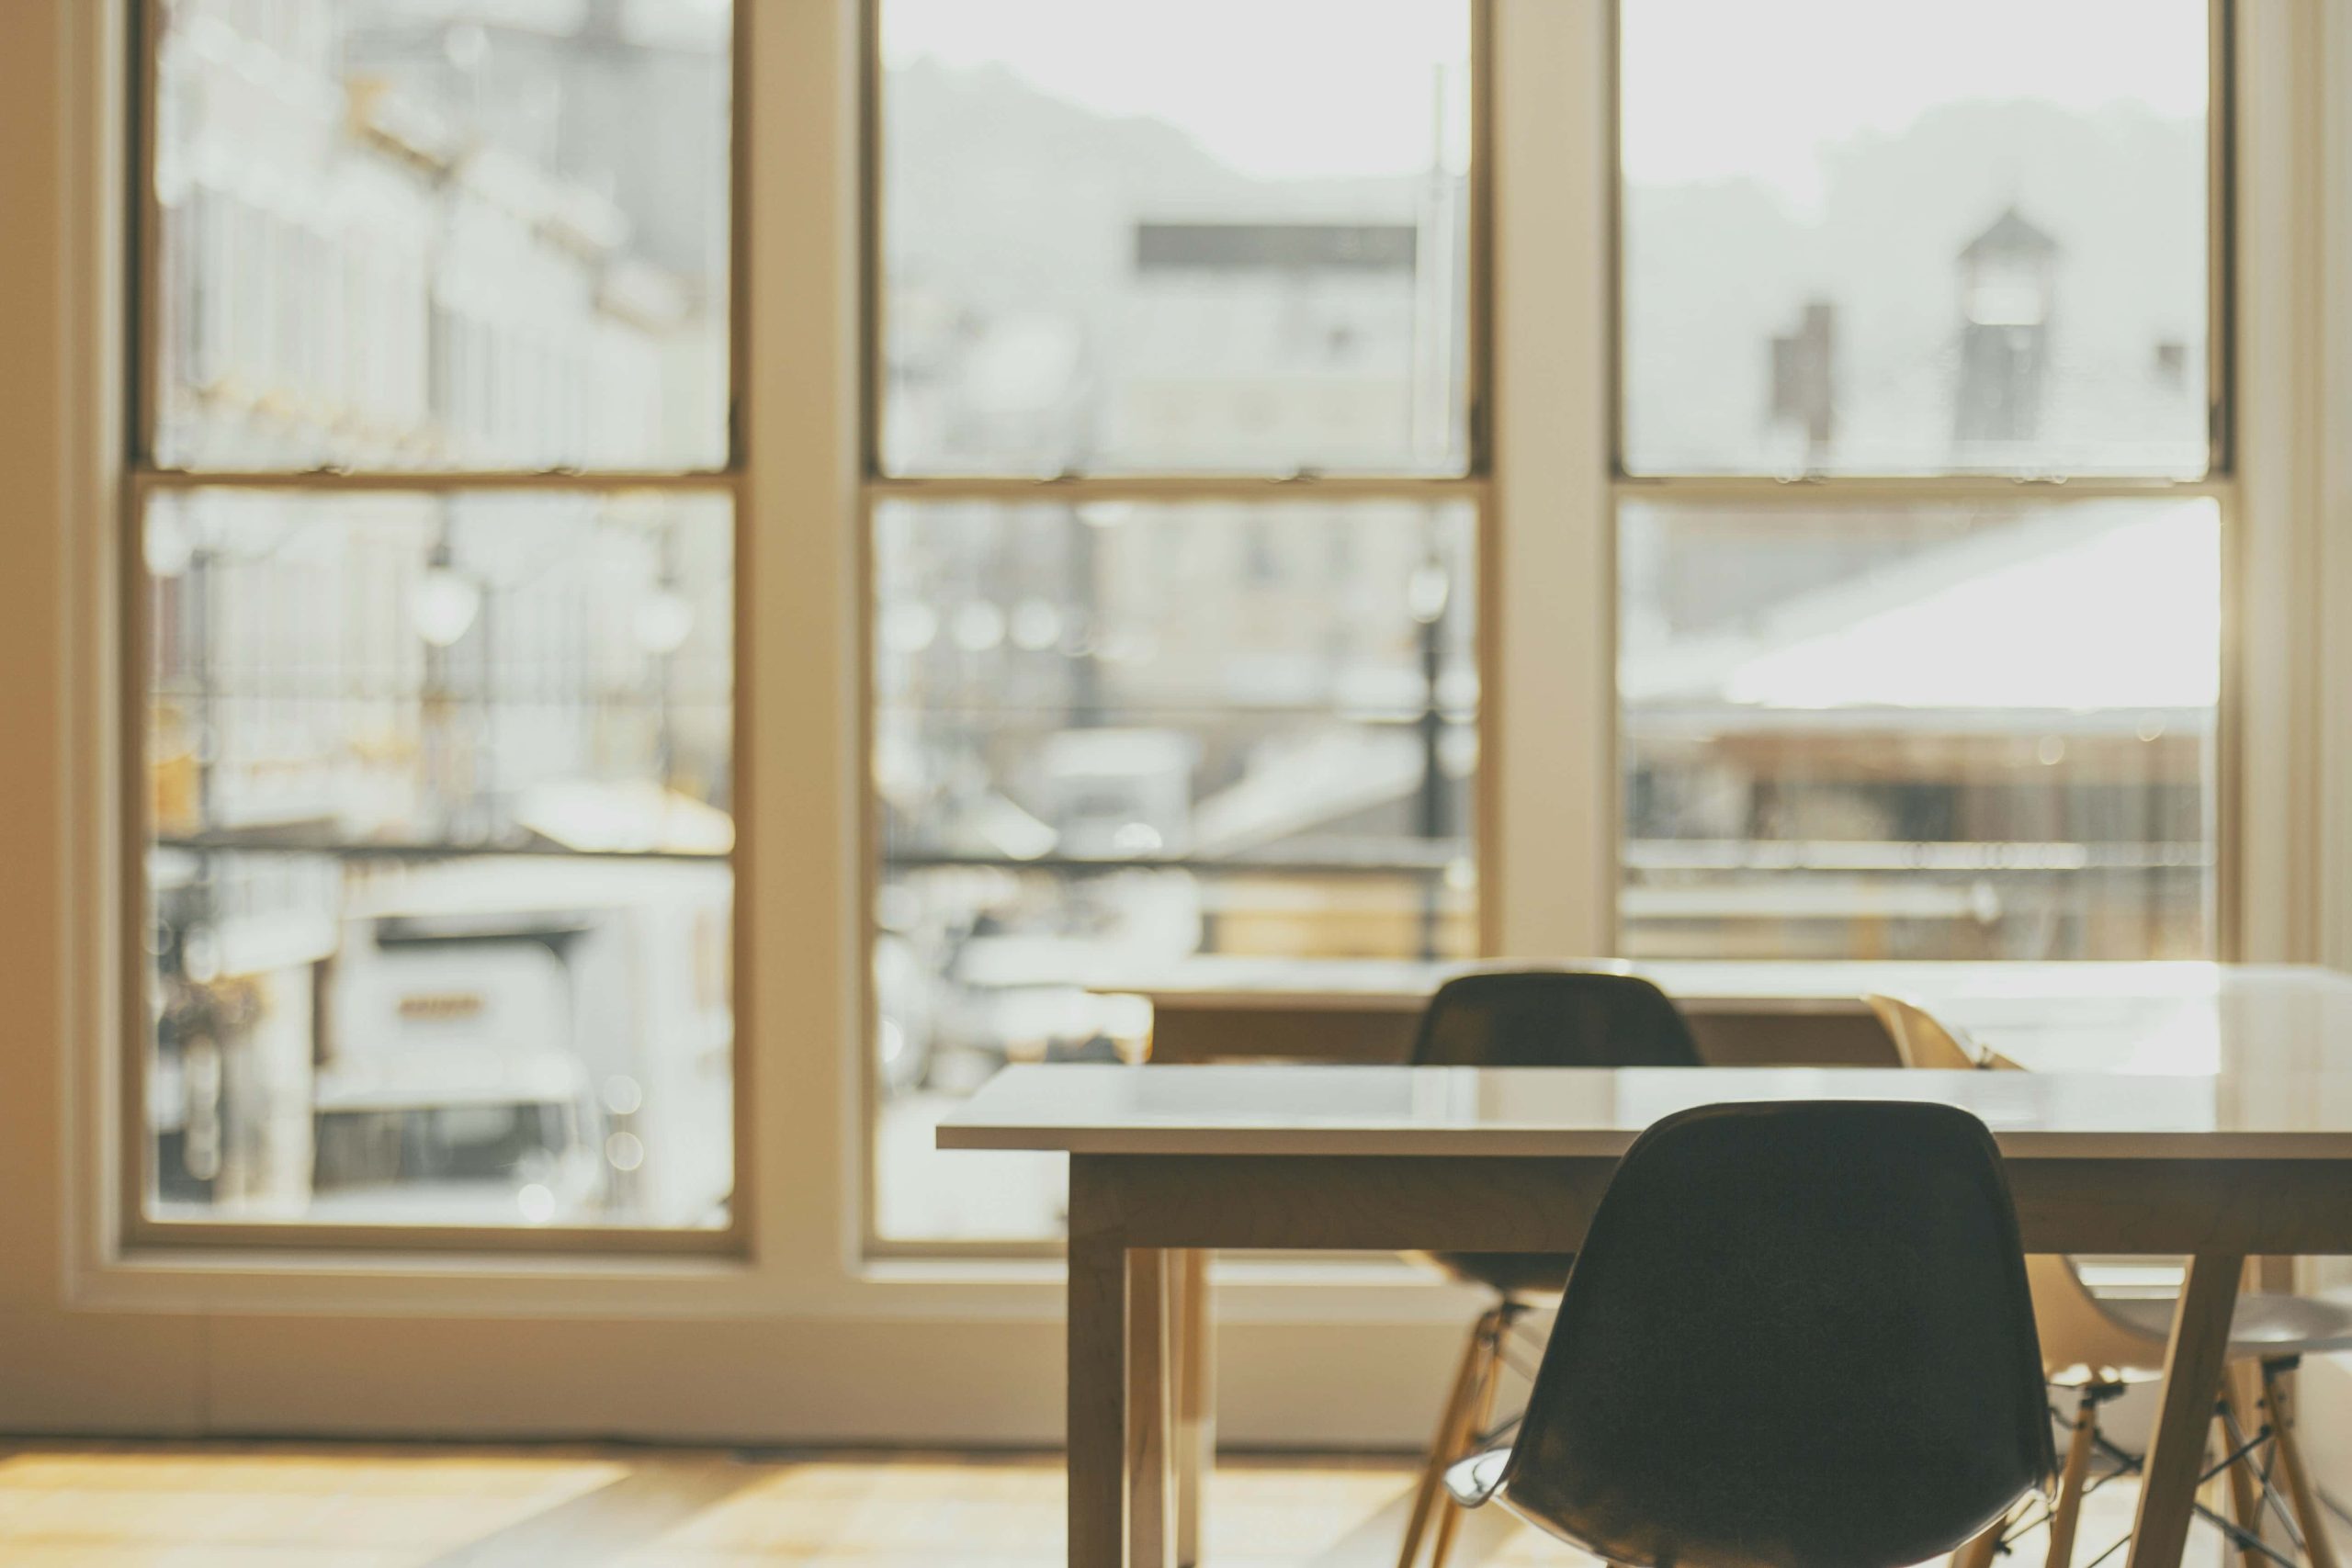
(1280, 1110)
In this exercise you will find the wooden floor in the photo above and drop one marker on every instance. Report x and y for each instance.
(287, 1507)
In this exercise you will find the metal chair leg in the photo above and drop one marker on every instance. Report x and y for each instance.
(1445, 1446)
(2241, 1398)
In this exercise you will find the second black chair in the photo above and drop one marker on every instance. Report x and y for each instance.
(1799, 1336)
(1537, 1018)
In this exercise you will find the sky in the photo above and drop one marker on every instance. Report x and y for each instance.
(1715, 89)
(1711, 88)
(1234, 73)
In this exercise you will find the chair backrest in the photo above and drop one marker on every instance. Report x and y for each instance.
(1553, 1018)
(1920, 1038)
(1798, 1335)
(2078, 1335)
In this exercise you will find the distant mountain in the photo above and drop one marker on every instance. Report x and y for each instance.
(1714, 271)
(1001, 200)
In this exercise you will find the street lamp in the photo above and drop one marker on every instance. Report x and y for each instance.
(1427, 593)
(443, 600)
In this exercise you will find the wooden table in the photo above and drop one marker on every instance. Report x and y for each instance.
(1216, 1007)
(1168, 1162)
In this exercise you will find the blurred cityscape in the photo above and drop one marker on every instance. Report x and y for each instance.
(1899, 730)
(441, 781)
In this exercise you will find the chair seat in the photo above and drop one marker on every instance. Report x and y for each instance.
(1472, 1481)
(1516, 1275)
(2262, 1328)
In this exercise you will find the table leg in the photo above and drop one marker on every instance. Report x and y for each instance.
(1150, 1532)
(2193, 1362)
(1195, 1400)
(1096, 1429)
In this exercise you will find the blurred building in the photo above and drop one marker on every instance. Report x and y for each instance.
(1111, 733)
(357, 698)
(1248, 342)
(2008, 285)
(1885, 735)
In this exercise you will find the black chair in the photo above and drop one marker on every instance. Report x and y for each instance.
(1539, 1017)
(1799, 1336)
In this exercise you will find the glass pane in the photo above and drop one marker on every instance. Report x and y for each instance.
(1222, 235)
(1924, 732)
(440, 893)
(1864, 238)
(1109, 737)
(443, 233)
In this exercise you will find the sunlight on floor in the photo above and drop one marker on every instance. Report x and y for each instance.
(371, 1508)
(389, 1507)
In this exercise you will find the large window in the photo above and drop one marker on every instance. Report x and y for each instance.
(1175, 528)
(1919, 522)
(435, 505)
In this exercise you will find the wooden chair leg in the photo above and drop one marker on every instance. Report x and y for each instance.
(1480, 1411)
(1445, 1445)
(2066, 1513)
(1978, 1553)
(2293, 1474)
(1194, 1394)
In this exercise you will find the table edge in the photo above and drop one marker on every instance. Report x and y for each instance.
(1508, 1143)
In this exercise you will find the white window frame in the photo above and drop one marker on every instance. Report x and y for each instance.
(802, 1339)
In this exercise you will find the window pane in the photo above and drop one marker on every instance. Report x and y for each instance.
(455, 234)
(1864, 238)
(439, 892)
(1223, 235)
(1107, 736)
(1920, 732)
